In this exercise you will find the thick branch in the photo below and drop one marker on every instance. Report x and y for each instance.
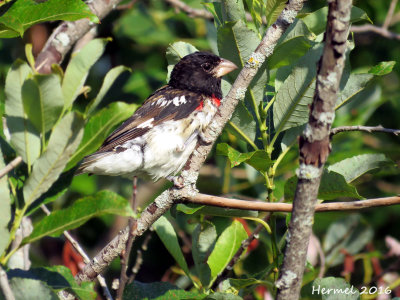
(364, 128)
(190, 174)
(204, 199)
(314, 148)
(67, 33)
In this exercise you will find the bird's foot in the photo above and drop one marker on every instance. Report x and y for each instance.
(177, 181)
(204, 140)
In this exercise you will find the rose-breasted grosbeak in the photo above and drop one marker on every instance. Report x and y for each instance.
(160, 136)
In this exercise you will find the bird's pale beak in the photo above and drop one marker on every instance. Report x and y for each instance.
(224, 67)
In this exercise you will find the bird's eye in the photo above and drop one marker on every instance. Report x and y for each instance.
(206, 66)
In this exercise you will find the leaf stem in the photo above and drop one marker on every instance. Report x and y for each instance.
(243, 135)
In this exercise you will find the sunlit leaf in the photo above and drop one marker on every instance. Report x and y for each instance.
(383, 68)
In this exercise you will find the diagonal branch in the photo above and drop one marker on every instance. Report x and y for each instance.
(190, 174)
(314, 147)
(67, 33)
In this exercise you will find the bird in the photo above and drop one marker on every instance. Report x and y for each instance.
(158, 139)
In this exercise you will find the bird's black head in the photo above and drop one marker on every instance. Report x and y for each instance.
(201, 72)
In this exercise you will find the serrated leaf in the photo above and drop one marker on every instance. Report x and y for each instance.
(296, 92)
(63, 141)
(108, 81)
(22, 14)
(99, 127)
(333, 185)
(203, 241)
(167, 234)
(157, 291)
(175, 52)
(257, 159)
(316, 21)
(350, 234)
(101, 203)
(43, 101)
(273, 10)
(353, 167)
(383, 68)
(225, 248)
(24, 138)
(5, 208)
(78, 69)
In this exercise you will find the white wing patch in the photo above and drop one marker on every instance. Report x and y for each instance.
(179, 100)
(147, 124)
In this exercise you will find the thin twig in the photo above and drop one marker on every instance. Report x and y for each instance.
(13, 164)
(389, 14)
(364, 128)
(85, 257)
(190, 11)
(124, 278)
(376, 29)
(204, 199)
(139, 257)
(5, 286)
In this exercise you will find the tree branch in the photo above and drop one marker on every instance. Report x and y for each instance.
(364, 128)
(314, 147)
(190, 11)
(67, 33)
(376, 29)
(204, 199)
(190, 174)
(5, 286)
(13, 164)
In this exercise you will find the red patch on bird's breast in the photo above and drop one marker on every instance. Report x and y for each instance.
(201, 105)
(216, 101)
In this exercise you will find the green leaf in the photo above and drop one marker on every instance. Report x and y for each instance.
(273, 10)
(175, 52)
(63, 141)
(22, 14)
(167, 234)
(157, 291)
(316, 21)
(195, 209)
(108, 81)
(78, 69)
(246, 282)
(43, 101)
(225, 248)
(350, 234)
(99, 127)
(25, 288)
(288, 52)
(354, 85)
(5, 208)
(330, 288)
(242, 124)
(353, 167)
(101, 203)
(237, 42)
(256, 8)
(24, 138)
(84, 290)
(203, 241)
(189, 208)
(257, 159)
(383, 68)
(290, 108)
(333, 185)
(223, 296)
(233, 10)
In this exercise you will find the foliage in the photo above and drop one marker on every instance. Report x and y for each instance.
(52, 121)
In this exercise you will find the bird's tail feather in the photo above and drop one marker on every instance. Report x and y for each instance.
(89, 160)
